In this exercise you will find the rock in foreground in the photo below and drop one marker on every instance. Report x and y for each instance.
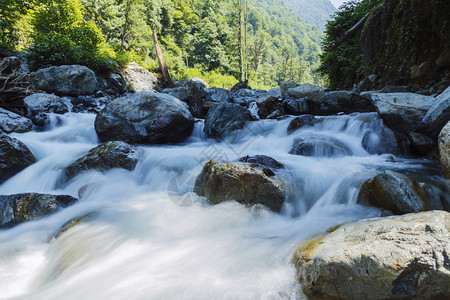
(107, 156)
(14, 157)
(11, 122)
(15, 209)
(144, 118)
(242, 182)
(384, 258)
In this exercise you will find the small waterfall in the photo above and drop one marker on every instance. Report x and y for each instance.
(148, 236)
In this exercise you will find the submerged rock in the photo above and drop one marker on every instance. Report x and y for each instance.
(146, 118)
(384, 258)
(262, 160)
(398, 194)
(107, 156)
(14, 157)
(439, 114)
(223, 118)
(11, 122)
(444, 149)
(66, 80)
(319, 145)
(15, 209)
(382, 142)
(242, 182)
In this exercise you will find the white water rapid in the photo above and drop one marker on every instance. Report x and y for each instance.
(147, 236)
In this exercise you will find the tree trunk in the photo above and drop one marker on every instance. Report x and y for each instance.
(162, 62)
(350, 33)
(241, 65)
(125, 24)
(245, 32)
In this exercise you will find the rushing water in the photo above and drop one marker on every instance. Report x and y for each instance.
(147, 236)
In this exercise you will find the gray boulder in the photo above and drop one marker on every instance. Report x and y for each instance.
(398, 194)
(245, 96)
(182, 92)
(444, 149)
(319, 145)
(144, 118)
(11, 122)
(267, 105)
(343, 101)
(139, 79)
(66, 80)
(402, 111)
(380, 142)
(305, 90)
(46, 103)
(217, 95)
(285, 86)
(242, 182)
(223, 118)
(439, 114)
(262, 160)
(16, 209)
(402, 257)
(297, 106)
(107, 156)
(14, 157)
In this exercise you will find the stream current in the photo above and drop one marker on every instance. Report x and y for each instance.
(146, 235)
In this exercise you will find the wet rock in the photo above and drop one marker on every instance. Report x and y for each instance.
(267, 105)
(421, 142)
(285, 86)
(66, 80)
(182, 92)
(14, 157)
(444, 149)
(262, 160)
(46, 103)
(275, 93)
(384, 141)
(439, 114)
(319, 145)
(402, 257)
(224, 118)
(11, 122)
(218, 95)
(398, 193)
(343, 101)
(242, 182)
(305, 90)
(297, 106)
(302, 121)
(402, 111)
(395, 89)
(144, 118)
(113, 84)
(139, 79)
(107, 156)
(15, 209)
(244, 97)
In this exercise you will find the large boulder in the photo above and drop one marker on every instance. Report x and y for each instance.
(139, 79)
(11, 122)
(444, 149)
(305, 90)
(302, 121)
(46, 103)
(398, 194)
(66, 80)
(14, 157)
(109, 155)
(319, 145)
(402, 257)
(243, 182)
(144, 118)
(245, 96)
(267, 105)
(343, 101)
(439, 114)
(297, 106)
(402, 112)
(223, 118)
(15, 209)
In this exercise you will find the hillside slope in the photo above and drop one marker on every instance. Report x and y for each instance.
(316, 12)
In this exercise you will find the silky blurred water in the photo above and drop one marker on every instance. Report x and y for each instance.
(147, 236)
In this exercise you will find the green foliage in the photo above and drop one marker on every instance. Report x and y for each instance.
(62, 37)
(344, 66)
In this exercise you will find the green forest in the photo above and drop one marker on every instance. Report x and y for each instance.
(207, 39)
